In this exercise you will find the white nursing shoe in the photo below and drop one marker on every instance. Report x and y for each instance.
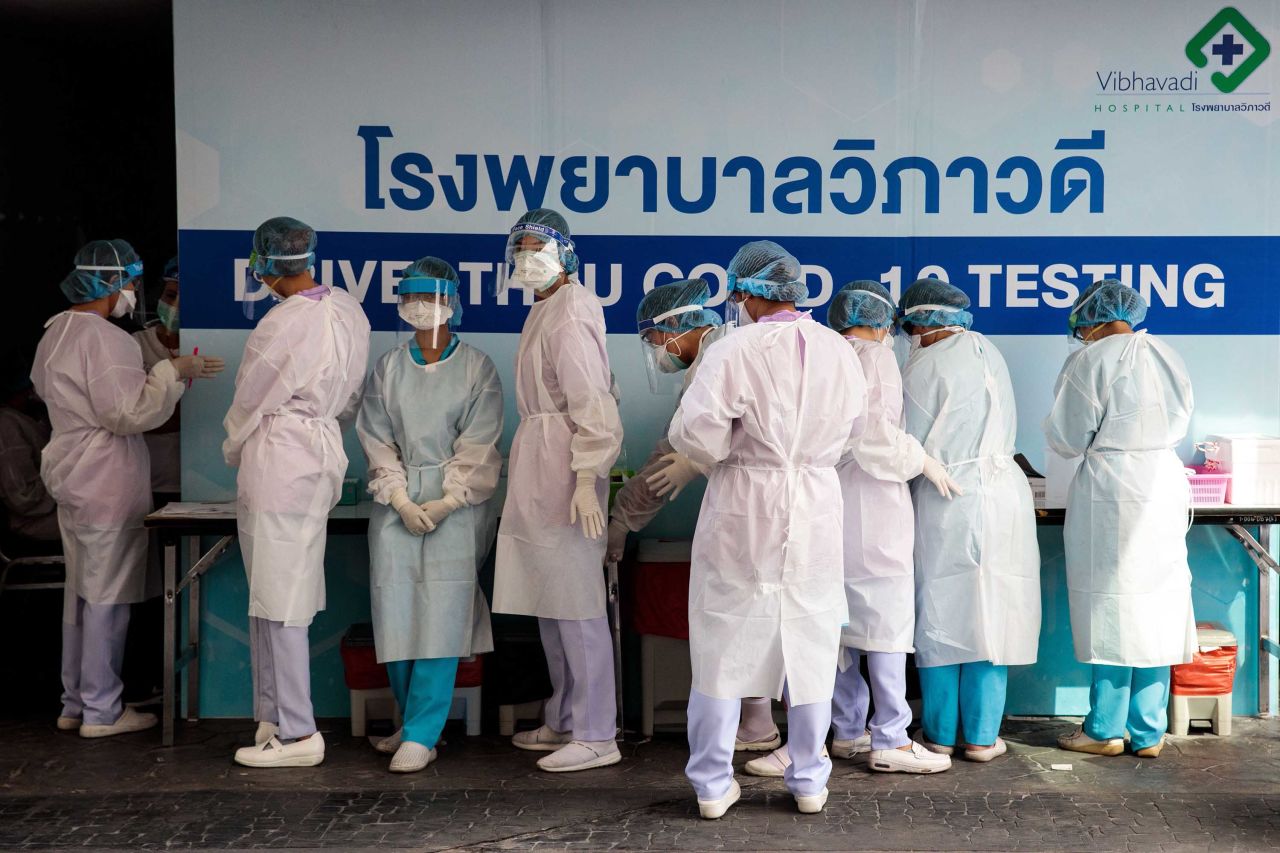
(69, 724)
(849, 748)
(915, 760)
(812, 804)
(266, 731)
(542, 739)
(412, 757)
(273, 753)
(130, 721)
(715, 809)
(390, 744)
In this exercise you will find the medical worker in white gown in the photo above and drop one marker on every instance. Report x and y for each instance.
(429, 424)
(551, 540)
(977, 559)
(90, 374)
(771, 410)
(302, 371)
(1124, 402)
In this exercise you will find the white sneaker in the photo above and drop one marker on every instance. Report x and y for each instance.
(542, 739)
(849, 748)
(937, 747)
(715, 809)
(581, 755)
(916, 760)
(764, 744)
(411, 757)
(811, 804)
(69, 724)
(390, 744)
(773, 766)
(273, 753)
(266, 731)
(130, 721)
(986, 753)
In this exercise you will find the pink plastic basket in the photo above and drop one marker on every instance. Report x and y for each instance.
(1208, 489)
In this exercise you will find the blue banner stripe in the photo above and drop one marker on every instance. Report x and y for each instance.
(1019, 285)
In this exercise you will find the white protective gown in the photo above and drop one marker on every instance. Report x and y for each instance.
(433, 430)
(302, 371)
(165, 448)
(1124, 403)
(636, 503)
(772, 408)
(89, 373)
(879, 522)
(568, 423)
(977, 558)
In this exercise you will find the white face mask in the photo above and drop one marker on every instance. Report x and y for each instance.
(424, 315)
(537, 270)
(125, 304)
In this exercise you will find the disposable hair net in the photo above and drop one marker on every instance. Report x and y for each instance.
(283, 246)
(546, 224)
(861, 303)
(1105, 301)
(932, 302)
(765, 269)
(101, 268)
(676, 307)
(432, 275)
(171, 269)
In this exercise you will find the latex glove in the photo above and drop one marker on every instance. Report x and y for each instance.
(198, 366)
(415, 518)
(585, 507)
(679, 472)
(617, 541)
(439, 510)
(935, 472)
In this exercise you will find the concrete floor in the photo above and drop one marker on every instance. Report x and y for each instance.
(58, 791)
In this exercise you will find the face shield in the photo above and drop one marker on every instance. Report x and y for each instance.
(167, 307)
(427, 304)
(536, 257)
(259, 279)
(666, 354)
(125, 279)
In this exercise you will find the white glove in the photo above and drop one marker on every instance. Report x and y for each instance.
(439, 510)
(679, 472)
(935, 472)
(617, 541)
(415, 518)
(585, 506)
(198, 366)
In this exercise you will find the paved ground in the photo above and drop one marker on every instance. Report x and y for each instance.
(60, 792)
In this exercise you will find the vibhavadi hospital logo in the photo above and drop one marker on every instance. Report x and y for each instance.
(1228, 47)
(1236, 44)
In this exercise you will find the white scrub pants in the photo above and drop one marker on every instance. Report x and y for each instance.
(92, 658)
(712, 726)
(849, 705)
(282, 677)
(580, 663)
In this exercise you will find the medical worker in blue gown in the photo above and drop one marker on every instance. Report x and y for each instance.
(1124, 402)
(976, 555)
(429, 425)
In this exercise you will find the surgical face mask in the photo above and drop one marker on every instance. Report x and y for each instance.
(668, 362)
(736, 312)
(168, 315)
(424, 315)
(887, 340)
(125, 304)
(537, 270)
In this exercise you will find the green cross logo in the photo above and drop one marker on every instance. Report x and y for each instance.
(1227, 49)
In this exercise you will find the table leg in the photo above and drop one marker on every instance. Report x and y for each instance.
(170, 635)
(193, 635)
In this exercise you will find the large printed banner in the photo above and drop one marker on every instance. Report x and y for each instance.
(1019, 151)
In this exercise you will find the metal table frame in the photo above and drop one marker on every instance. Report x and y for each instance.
(172, 529)
(1237, 521)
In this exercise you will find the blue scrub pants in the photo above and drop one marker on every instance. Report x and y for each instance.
(1130, 697)
(424, 692)
(971, 694)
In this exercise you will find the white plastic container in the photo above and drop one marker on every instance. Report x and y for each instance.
(1253, 461)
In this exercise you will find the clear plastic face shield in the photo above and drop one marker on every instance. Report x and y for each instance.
(167, 307)
(534, 257)
(920, 340)
(259, 293)
(130, 302)
(428, 305)
(1080, 336)
(666, 354)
